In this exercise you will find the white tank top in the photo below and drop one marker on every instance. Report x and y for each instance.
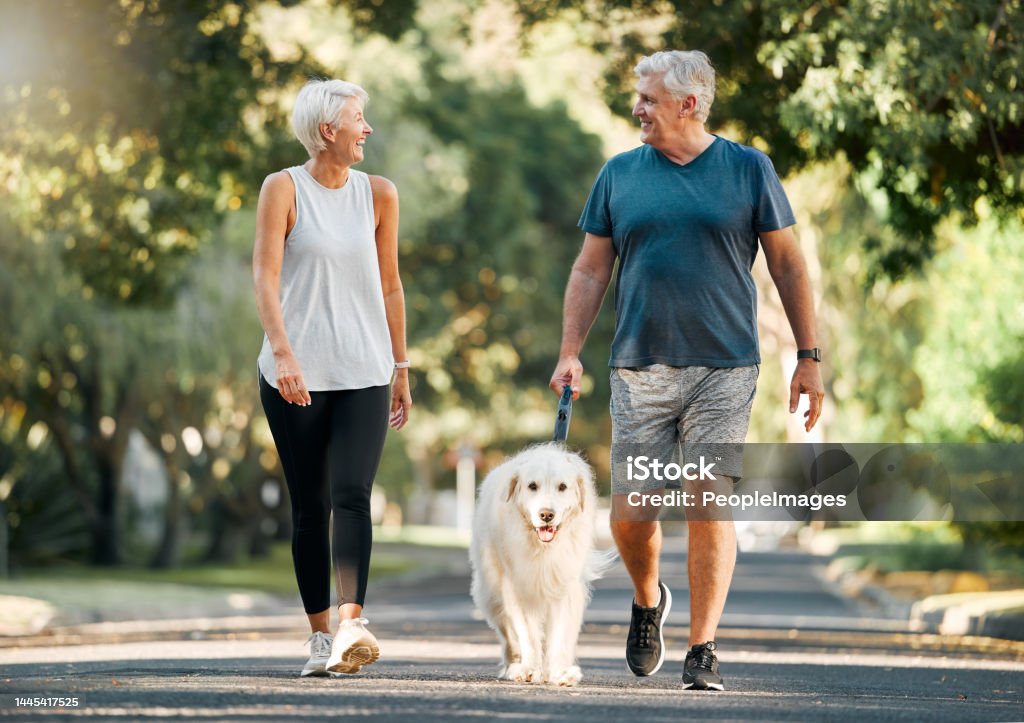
(331, 294)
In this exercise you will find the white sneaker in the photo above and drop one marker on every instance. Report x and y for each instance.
(319, 652)
(354, 646)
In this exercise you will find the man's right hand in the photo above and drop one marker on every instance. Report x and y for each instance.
(569, 371)
(290, 383)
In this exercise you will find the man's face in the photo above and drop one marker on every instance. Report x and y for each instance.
(657, 111)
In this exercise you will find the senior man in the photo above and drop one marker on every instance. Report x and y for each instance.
(683, 214)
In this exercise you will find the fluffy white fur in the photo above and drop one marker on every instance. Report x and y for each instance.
(530, 586)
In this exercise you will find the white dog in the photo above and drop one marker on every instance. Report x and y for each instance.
(533, 559)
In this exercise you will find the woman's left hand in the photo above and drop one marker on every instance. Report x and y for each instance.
(401, 400)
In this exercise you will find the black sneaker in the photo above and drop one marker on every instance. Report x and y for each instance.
(645, 645)
(700, 671)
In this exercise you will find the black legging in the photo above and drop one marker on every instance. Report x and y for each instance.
(339, 437)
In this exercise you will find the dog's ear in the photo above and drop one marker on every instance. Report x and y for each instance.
(512, 487)
(581, 484)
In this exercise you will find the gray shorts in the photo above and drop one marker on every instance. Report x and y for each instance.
(678, 415)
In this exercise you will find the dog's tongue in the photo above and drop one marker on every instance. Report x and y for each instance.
(546, 534)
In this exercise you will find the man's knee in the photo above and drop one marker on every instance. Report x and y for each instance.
(707, 496)
(703, 528)
(636, 507)
(633, 531)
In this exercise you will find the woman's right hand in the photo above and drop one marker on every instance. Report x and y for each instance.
(290, 383)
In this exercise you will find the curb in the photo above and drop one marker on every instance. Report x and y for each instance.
(994, 614)
(997, 614)
(220, 612)
(857, 585)
(128, 631)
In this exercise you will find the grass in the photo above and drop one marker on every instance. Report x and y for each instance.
(272, 574)
(83, 593)
(907, 557)
(891, 533)
(425, 535)
(914, 546)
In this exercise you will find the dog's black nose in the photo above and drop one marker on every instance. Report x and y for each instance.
(547, 515)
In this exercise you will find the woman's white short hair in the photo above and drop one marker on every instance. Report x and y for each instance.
(321, 101)
(686, 73)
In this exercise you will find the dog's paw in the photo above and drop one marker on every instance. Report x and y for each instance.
(568, 677)
(520, 673)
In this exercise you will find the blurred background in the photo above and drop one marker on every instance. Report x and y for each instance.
(135, 134)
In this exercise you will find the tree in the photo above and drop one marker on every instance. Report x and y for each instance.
(70, 370)
(1004, 389)
(129, 127)
(128, 130)
(920, 97)
(498, 263)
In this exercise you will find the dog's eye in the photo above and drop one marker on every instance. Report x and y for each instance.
(532, 487)
(562, 487)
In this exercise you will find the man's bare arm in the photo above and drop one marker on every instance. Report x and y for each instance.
(588, 282)
(789, 272)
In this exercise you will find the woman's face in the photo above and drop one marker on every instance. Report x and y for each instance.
(351, 133)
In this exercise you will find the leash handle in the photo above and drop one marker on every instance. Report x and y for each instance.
(564, 414)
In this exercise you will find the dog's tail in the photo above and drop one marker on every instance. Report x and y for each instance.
(598, 563)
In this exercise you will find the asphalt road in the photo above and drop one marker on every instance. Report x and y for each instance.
(790, 649)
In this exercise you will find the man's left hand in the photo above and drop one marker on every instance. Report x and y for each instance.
(807, 380)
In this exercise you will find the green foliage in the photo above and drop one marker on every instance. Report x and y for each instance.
(391, 18)
(498, 264)
(53, 377)
(129, 130)
(920, 97)
(930, 546)
(1005, 389)
(168, 122)
(973, 325)
(509, 245)
(124, 135)
(1004, 392)
(42, 520)
(996, 538)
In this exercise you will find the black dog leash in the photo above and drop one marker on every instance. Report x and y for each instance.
(564, 414)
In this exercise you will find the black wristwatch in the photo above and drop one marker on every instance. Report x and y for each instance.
(814, 354)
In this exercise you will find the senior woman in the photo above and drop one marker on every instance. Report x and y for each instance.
(325, 266)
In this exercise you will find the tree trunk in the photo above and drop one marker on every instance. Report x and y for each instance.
(227, 534)
(166, 555)
(282, 514)
(423, 474)
(107, 529)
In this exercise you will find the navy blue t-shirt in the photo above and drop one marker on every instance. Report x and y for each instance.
(686, 239)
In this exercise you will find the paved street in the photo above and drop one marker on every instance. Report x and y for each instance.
(790, 650)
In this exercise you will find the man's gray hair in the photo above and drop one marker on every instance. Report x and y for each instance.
(686, 73)
(321, 101)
